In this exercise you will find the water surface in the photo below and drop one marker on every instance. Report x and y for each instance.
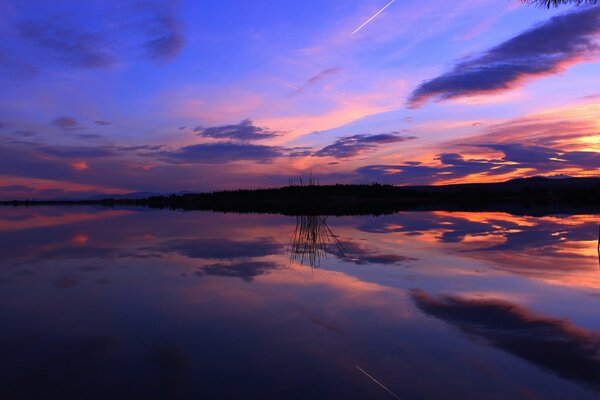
(100, 303)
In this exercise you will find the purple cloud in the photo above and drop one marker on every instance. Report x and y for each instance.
(24, 133)
(16, 188)
(166, 37)
(66, 123)
(68, 152)
(541, 160)
(554, 344)
(542, 50)
(315, 79)
(217, 153)
(111, 37)
(245, 131)
(69, 43)
(351, 146)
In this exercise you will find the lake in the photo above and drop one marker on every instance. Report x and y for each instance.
(106, 303)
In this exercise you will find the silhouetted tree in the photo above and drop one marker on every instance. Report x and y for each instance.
(556, 3)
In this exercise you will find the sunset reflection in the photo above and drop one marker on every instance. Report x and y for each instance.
(389, 293)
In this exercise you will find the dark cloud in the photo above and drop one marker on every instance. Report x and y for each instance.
(89, 136)
(351, 146)
(102, 123)
(421, 174)
(509, 237)
(78, 252)
(300, 151)
(166, 37)
(66, 123)
(554, 344)
(24, 133)
(114, 35)
(245, 131)
(66, 282)
(245, 270)
(315, 79)
(542, 50)
(360, 255)
(545, 159)
(16, 188)
(519, 153)
(76, 151)
(149, 148)
(557, 3)
(68, 43)
(540, 160)
(25, 161)
(224, 152)
(221, 248)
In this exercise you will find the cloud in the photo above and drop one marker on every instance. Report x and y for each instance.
(545, 159)
(80, 166)
(524, 238)
(223, 152)
(355, 253)
(89, 136)
(557, 3)
(554, 344)
(539, 160)
(221, 248)
(245, 270)
(166, 37)
(115, 34)
(69, 152)
(452, 165)
(66, 123)
(351, 146)
(24, 133)
(68, 43)
(545, 49)
(245, 131)
(314, 80)
(16, 188)
(75, 252)
(102, 123)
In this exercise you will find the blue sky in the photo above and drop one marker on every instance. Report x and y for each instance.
(122, 96)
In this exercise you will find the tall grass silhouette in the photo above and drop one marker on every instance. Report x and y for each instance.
(312, 240)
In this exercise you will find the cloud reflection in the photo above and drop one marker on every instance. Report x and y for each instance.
(554, 344)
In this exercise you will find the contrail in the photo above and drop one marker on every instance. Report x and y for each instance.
(375, 380)
(373, 17)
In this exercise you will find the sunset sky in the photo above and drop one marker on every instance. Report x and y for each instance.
(164, 96)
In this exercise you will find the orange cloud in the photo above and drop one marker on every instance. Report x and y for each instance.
(80, 166)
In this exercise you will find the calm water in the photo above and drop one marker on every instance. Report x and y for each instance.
(135, 303)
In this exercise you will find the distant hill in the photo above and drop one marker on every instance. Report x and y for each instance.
(534, 196)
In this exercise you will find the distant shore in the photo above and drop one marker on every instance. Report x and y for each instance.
(530, 196)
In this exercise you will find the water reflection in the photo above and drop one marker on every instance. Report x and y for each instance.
(192, 305)
(555, 344)
(313, 240)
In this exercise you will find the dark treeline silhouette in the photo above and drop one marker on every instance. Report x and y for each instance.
(556, 3)
(530, 196)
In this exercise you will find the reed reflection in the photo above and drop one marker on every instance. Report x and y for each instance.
(312, 240)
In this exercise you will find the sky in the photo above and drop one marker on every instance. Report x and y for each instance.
(167, 96)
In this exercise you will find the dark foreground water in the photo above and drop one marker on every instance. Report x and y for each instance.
(138, 303)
